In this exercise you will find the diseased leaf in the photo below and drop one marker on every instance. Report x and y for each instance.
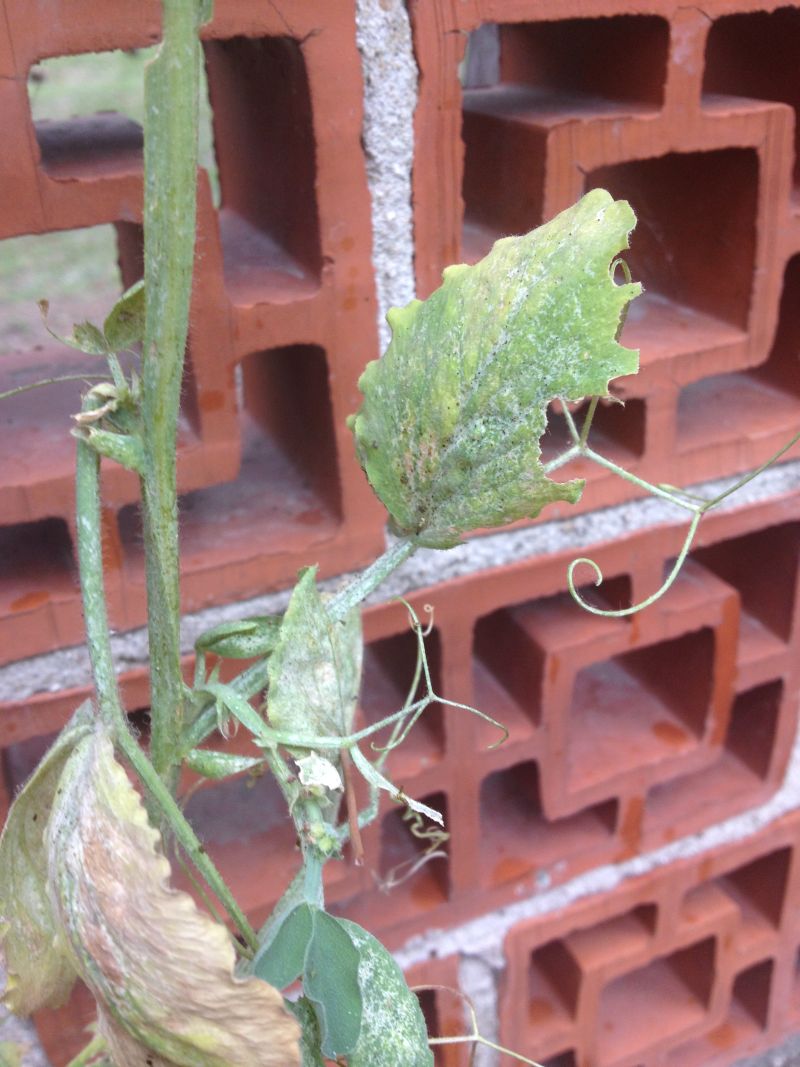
(331, 983)
(89, 338)
(124, 325)
(218, 765)
(242, 639)
(161, 970)
(449, 430)
(376, 779)
(315, 669)
(310, 1040)
(393, 1027)
(40, 969)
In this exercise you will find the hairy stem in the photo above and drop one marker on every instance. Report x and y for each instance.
(369, 579)
(170, 163)
(93, 594)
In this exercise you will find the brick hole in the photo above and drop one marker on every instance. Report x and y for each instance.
(759, 889)
(751, 993)
(428, 886)
(79, 272)
(763, 567)
(563, 1059)
(517, 838)
(88, 111)
(695, 211)
(662, 1000)
(519, 79)
(443, 1020)
(37, 565)
(608, 943)
(618, 430)
(627, 713)
(554, 983)
(389, 665)
(287, 490)
(748, 404)
(755, 55)
(239, 819)
(741, 770)
(264, 135)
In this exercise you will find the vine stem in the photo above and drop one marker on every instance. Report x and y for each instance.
(90, 556)
(369, 580)
(89, 1051)
(170, 166)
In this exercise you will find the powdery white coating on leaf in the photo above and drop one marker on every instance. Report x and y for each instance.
(392, 1024)
(315, 670)
(40, 969)
(449, 430)
(161, 970)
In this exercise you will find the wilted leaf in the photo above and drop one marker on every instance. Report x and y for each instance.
(393, 1027)
(125, 323)
(40, 969)
(449, 430)
(377, 780)
(161, 969)
(315, 669)
(86, 337)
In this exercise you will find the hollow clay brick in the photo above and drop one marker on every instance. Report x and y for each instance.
(693, 962)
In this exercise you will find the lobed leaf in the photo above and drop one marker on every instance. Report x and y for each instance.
(315, 669)
(40, 968)
(448, 433)
(161, 970)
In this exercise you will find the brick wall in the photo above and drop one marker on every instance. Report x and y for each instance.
(635, 841)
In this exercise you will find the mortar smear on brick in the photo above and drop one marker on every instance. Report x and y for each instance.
(383, 36)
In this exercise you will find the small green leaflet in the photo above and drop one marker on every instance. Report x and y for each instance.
(243, 639)
(449, 430)
(124, 326)
(218, 765)
(316, 946)
(315, 668)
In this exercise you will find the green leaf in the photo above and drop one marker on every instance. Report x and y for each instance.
(315, 670)
(40, 971)
(243, 639)
(124, 325)
(393, 1028)
(11, 1054)
(449, 430)
(283, 960)
(218, 765)
(331, 983)
(89, 338)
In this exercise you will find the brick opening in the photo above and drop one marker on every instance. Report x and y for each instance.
(749, 404)
(37, 565)
(617, 431)
(287, 490)
(735, 780)
(627, 712)
(751, 993)
(389, 665)
(508, 669)
(516, 836)
(753, 727)
(566, 1058)
(88, 111)
(661, 1000)
(755, 55)
(763, 567)
(444, 1017)
(520, 79)
(759, 890)
(554, 984)
(695, 211)
(264, 137)
(429, 885)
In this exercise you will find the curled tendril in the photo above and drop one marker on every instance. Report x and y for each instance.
(436, 839)
(621, 612)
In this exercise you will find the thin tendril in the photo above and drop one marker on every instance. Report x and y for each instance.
(54, 381)
(621, 612)
(587, 422)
